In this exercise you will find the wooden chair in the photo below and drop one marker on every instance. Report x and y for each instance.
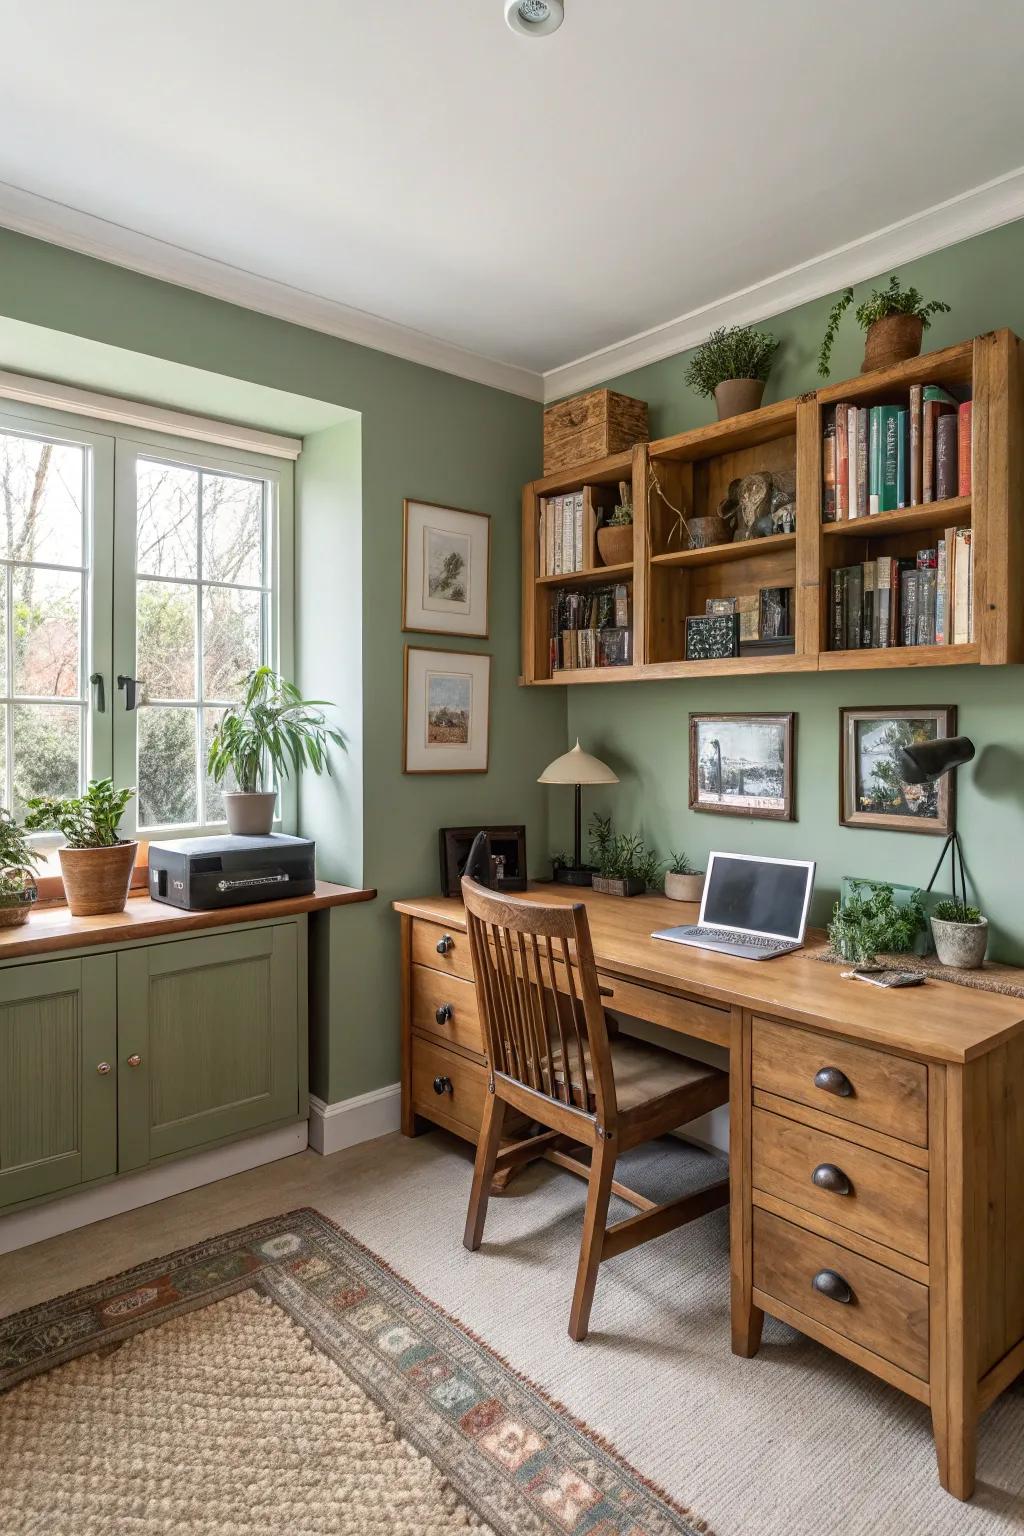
(551, 1058)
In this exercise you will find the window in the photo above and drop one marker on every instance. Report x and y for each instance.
(139, 582)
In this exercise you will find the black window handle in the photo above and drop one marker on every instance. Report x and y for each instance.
(130, 687)
(99, 692)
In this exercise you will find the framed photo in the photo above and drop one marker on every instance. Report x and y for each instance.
(742, 765)
(872, 792)
(446, 570)
(447, 711)
(507, 850)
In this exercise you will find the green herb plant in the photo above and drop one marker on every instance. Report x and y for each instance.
(679, 864)
(622, 515)
(87, 821)
(731, 352)
(19, 861)
(893, 300)
(622, 855)
(272, 725)
(956, 911)
(871, 923)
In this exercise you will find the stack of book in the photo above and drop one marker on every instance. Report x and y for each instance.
(563, 533)
(590, 628)
(881, 458)
(927, 599)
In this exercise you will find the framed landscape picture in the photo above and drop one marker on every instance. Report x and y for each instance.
(445, 570)
(447, 711)
(872, 791)
(742, 765)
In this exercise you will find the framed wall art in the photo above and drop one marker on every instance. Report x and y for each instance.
(447, 711)
(446, 570)
(506, 850)
(742, 765)
(872, 791)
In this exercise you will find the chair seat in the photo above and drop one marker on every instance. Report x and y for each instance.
(647, 1073)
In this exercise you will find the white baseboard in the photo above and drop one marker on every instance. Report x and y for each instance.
(21, 1228)
(332, 1127)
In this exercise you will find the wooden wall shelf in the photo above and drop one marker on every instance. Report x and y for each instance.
(692, 470)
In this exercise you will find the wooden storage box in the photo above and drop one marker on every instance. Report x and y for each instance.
(591, 426)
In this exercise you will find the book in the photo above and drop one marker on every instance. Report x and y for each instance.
(936, 402)
(867, 611)
(941, 592)
(927, 571)
(555, 508)
(916, 402)
(883, 599)
(908, 606)
(842, 463)
(962, 595)
(774, 614)
(837, 609)
(862, 461)
(874, 457)
(947, 478)
(577, 532)
(712, 636)
(828, 466)
(853, 490)
(854, 607)
(584, 631)
(965, 448)
(902, 457)
(889, 458)
(568, 534)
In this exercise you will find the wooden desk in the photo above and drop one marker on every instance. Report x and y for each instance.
(876, 1141)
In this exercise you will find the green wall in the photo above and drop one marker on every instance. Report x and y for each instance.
(642, 728)
(423, 434)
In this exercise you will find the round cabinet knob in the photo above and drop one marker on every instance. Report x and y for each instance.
(444, 1013)
(445, 943)
(831, 1080)
(103, 1068)
(135, 1061)
(442, 1085)
(828, 1176)
(827, 1283)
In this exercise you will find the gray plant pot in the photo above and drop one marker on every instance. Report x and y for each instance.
(961, 945)
(684, 887)
(250, 815)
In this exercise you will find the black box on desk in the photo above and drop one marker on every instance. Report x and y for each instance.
(200, 874)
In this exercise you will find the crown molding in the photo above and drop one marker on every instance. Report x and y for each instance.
(57, 224)
(959, 218)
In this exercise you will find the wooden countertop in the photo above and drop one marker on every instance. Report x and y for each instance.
(934, 1022)
(53, 928)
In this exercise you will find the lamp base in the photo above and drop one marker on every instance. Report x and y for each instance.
(566, 874)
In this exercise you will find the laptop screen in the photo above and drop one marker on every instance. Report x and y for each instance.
(761, 895)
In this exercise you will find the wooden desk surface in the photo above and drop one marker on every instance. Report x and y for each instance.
(936, 1022)
(53, 928)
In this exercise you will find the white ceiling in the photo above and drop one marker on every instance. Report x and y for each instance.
(531, 201)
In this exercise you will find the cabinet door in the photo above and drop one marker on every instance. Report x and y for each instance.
(58, 1096)
(207, 1040)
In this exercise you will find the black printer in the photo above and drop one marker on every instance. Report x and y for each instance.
(203, 873)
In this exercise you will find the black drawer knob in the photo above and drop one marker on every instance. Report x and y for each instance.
(442, 1085)
(827, 1283)
(831, 1080)
(445, 943)
(444, 1013)
(828, 1176)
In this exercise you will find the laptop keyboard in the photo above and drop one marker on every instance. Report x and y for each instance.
(748, 940)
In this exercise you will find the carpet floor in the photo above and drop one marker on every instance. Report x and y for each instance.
(792, 1443)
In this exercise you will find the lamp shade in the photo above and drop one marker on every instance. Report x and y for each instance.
(578, 767)
(926, 761)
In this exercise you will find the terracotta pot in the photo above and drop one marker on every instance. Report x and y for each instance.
(684, 887)
(734, 397)
(892, 340)
(96, 880)
(615, 545)
(250, 815)
(960, 945)
(619, 887)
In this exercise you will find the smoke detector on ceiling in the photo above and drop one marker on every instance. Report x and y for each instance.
(534, 18)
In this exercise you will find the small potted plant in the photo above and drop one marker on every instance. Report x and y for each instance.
(682, 881)
(625, 865)
(96, 865)
(18, 864)
(615, 536)
(273, 728)
(733, 365)
(960, 934)
(895, 319)
(870, 922)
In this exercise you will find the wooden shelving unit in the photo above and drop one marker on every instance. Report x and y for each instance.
(693, 471)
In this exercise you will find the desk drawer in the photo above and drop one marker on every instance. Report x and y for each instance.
(886, 1313)
(448, 1088)
(685, 1015)
(870, 1193)
(883, 1092)
(453, 956)
(445, 1006)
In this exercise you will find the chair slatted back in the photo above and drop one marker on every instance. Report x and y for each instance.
(547, 1036)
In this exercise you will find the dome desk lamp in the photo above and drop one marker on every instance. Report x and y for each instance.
(577, 767)
(924, 763)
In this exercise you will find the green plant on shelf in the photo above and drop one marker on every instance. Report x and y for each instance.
(622, 855)
(956, 911)
(272, 725)
(871, 922)
(679, 864)
(19, 861)
(91, 820)
(731, 352)
(881, 302)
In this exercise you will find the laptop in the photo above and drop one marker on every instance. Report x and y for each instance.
(752, 907)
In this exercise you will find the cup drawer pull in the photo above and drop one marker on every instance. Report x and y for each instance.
(445, 943)
(443, 1085)
(831, 1080)
(828, 1176)
(444, 1013)
(827, 1283)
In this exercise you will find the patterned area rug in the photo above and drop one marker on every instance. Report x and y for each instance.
(282, 1379)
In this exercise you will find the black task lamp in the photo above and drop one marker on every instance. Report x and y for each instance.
(926, 762)
(577, 767)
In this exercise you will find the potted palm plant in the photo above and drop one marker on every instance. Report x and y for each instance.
(272, 730)
(733, 365)
(18, 864)
(895, 319)
(96, 865)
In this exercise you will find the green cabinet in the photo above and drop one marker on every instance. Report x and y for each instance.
(58, 1079)
(206, 1041)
